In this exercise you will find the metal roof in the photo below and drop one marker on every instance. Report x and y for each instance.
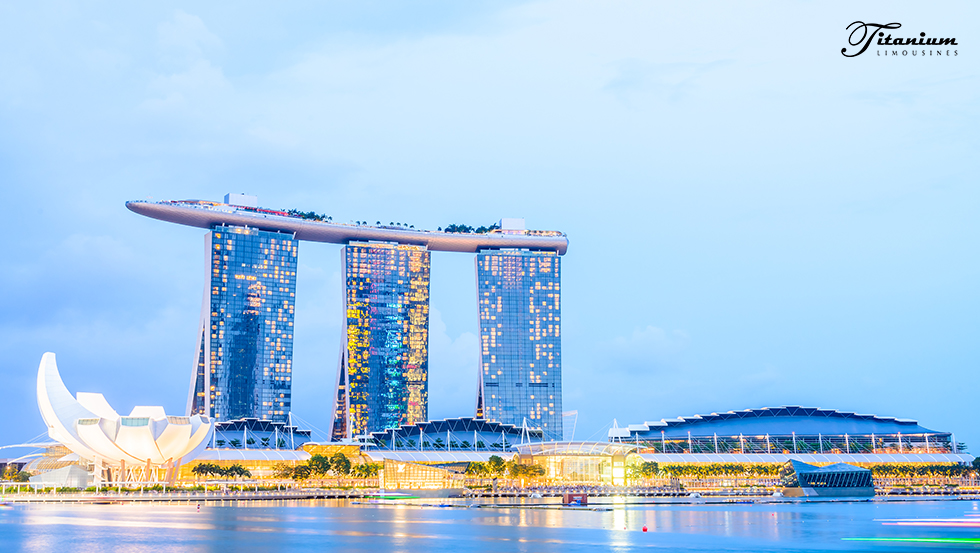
(801, 467)
(806, 458)
(209, 214)
(774, 421)
(462, 425)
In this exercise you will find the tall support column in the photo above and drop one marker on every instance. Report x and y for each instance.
(519, 301)
(383, 374)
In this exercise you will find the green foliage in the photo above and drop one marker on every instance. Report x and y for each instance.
(340, 464)
(13, 475)
(519, 470)
(282, 470)
(366, 470)
(213, 469)
(646, 469)
(740, 470)
(319, 465)
(909, 470)
(235, 443)
(308, 215)
(496, 466)
(477, 469)
(468, 229)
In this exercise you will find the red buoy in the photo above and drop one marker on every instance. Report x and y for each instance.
(644, 527)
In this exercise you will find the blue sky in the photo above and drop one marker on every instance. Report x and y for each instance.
(753, 219)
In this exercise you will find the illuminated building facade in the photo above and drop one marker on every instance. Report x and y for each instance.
(520, 339)
(245, 352)
(383, 374)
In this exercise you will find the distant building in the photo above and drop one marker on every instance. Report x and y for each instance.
(800, 479)
(383, 374)
(457, 434)
(778, 434)
(519, 296)
(245, 350)
(253, 433)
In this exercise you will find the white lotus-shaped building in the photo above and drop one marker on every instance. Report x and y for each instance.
(131, 448)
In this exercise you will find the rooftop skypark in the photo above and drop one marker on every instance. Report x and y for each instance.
(312, 226)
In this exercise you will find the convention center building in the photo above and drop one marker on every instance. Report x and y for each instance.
(778, 434)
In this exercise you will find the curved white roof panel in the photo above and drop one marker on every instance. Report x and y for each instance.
(148, 435)
(208, 214)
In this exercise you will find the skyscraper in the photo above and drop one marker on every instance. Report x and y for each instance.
(382, 377)
(245, 352)
(244, 362)
(519, 293)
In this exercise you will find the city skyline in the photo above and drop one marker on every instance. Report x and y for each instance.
(706, 155)
(382, 372)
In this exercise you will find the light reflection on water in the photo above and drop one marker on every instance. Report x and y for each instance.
(319, 525)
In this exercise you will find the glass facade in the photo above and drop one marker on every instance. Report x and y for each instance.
(383, 374)
(796, 474)
(244, 362)
(520, 339)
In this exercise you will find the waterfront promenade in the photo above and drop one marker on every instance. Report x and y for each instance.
(547, 494)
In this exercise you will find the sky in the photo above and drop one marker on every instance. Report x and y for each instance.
(754, 219)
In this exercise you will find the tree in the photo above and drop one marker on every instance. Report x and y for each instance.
(282, 470)
(10, 472)
(265, 442)
(220, 443)
(477, 468)
(366, 470)
(200, 470)
(340, 464)
(236, 443)
(22, 476)
(237, 471)
(496, 466)
(319, 465)
(301, 472)
(649, 469)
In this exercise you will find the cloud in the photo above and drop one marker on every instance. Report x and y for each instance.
(646, 347)
(672, 81)
(184, 39)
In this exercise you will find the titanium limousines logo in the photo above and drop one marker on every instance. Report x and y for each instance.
(863, 33)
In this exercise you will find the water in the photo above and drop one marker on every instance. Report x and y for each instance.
(339, 525)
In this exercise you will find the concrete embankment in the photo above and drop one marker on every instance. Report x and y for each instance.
(187, 497)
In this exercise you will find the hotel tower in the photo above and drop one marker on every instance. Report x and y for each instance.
(519, 295)
(383, 374)
(244, 362)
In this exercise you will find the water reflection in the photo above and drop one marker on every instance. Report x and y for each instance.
(312, 526)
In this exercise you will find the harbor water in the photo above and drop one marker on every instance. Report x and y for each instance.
(463, 526)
